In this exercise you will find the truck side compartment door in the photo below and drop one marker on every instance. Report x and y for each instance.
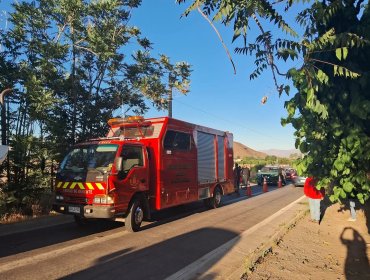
(179, 169)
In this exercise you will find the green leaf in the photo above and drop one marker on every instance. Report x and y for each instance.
(348, 187)
(338, 53)
(345, 52)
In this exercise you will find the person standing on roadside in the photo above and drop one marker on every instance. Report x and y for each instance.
(237, 174)
(314, 198)
(246, 175)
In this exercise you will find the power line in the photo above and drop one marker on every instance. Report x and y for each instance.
(224, 119)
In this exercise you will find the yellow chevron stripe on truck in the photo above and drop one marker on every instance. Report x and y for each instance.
(80, 185)
(90, 186)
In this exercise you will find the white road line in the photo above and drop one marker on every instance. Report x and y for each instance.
(190, 270)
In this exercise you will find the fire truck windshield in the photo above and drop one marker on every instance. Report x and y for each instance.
(134, 132)
(83, 158)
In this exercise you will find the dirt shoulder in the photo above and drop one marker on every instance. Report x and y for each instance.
(335, 249)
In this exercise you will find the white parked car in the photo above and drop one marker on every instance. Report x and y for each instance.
(298, 180)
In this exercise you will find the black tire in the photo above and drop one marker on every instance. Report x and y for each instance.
(81, 221)
(215, 201)
(135, 216)
(206, 202)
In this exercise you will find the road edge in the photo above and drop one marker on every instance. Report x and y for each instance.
(203, 265)
(35, 224)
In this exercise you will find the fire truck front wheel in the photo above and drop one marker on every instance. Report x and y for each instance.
(135, 216)
(81, 221)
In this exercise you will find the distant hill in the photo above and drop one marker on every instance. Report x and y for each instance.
(241, 151)
(281, 153)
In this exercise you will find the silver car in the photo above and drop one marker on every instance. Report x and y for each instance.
(299, 180)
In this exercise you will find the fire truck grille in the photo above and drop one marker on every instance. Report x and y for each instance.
(77, 200)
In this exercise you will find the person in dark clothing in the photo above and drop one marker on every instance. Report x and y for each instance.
(237, 174)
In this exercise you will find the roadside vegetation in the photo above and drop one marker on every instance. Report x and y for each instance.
(268, 160)
(323, 47)
(64, 72)
(255, 164)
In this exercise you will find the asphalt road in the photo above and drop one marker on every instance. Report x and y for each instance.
(176, 238)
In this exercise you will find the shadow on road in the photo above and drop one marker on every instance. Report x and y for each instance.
(36, 239)
(185, 210)
(55, 235)
(161, 260)
(30, 240)
(357, 262)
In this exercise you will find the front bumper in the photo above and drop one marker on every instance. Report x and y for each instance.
(87, 211)
(269, 179)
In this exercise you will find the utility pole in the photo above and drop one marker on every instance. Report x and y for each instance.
(171, 80)
(170, 102)
(4, 130)
(3, 116)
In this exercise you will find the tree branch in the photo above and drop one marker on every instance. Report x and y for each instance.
(219, 36)
(86, 49)
(269, 55)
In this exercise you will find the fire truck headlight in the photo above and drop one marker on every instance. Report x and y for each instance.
(103, 199)
(59, 197)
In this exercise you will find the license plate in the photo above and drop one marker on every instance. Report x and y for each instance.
(74, 209)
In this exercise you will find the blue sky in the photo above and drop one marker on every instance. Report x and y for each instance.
(218, 98)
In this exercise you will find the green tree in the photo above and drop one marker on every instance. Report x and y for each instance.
(271, 159)
(333, 128)
(331, 109)
(73, 73)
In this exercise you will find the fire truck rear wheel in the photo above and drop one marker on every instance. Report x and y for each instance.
(135, 216)
(215, 201)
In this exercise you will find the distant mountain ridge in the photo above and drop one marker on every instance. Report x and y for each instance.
(281, 153)
(241, 151)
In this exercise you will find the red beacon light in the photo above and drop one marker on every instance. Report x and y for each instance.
(132, 121)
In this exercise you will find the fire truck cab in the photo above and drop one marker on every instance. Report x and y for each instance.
(144, 165)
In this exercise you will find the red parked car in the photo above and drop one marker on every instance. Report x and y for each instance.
(290, 173)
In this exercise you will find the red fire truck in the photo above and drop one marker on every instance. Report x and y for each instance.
(144, 165)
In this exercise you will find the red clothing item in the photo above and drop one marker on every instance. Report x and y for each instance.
(310, 190)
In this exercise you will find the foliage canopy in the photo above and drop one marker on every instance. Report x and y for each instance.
(331, 109)
(72, 65)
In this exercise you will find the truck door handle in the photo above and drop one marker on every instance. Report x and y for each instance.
(142, 180)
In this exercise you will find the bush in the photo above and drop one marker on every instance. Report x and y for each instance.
(24, 202)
